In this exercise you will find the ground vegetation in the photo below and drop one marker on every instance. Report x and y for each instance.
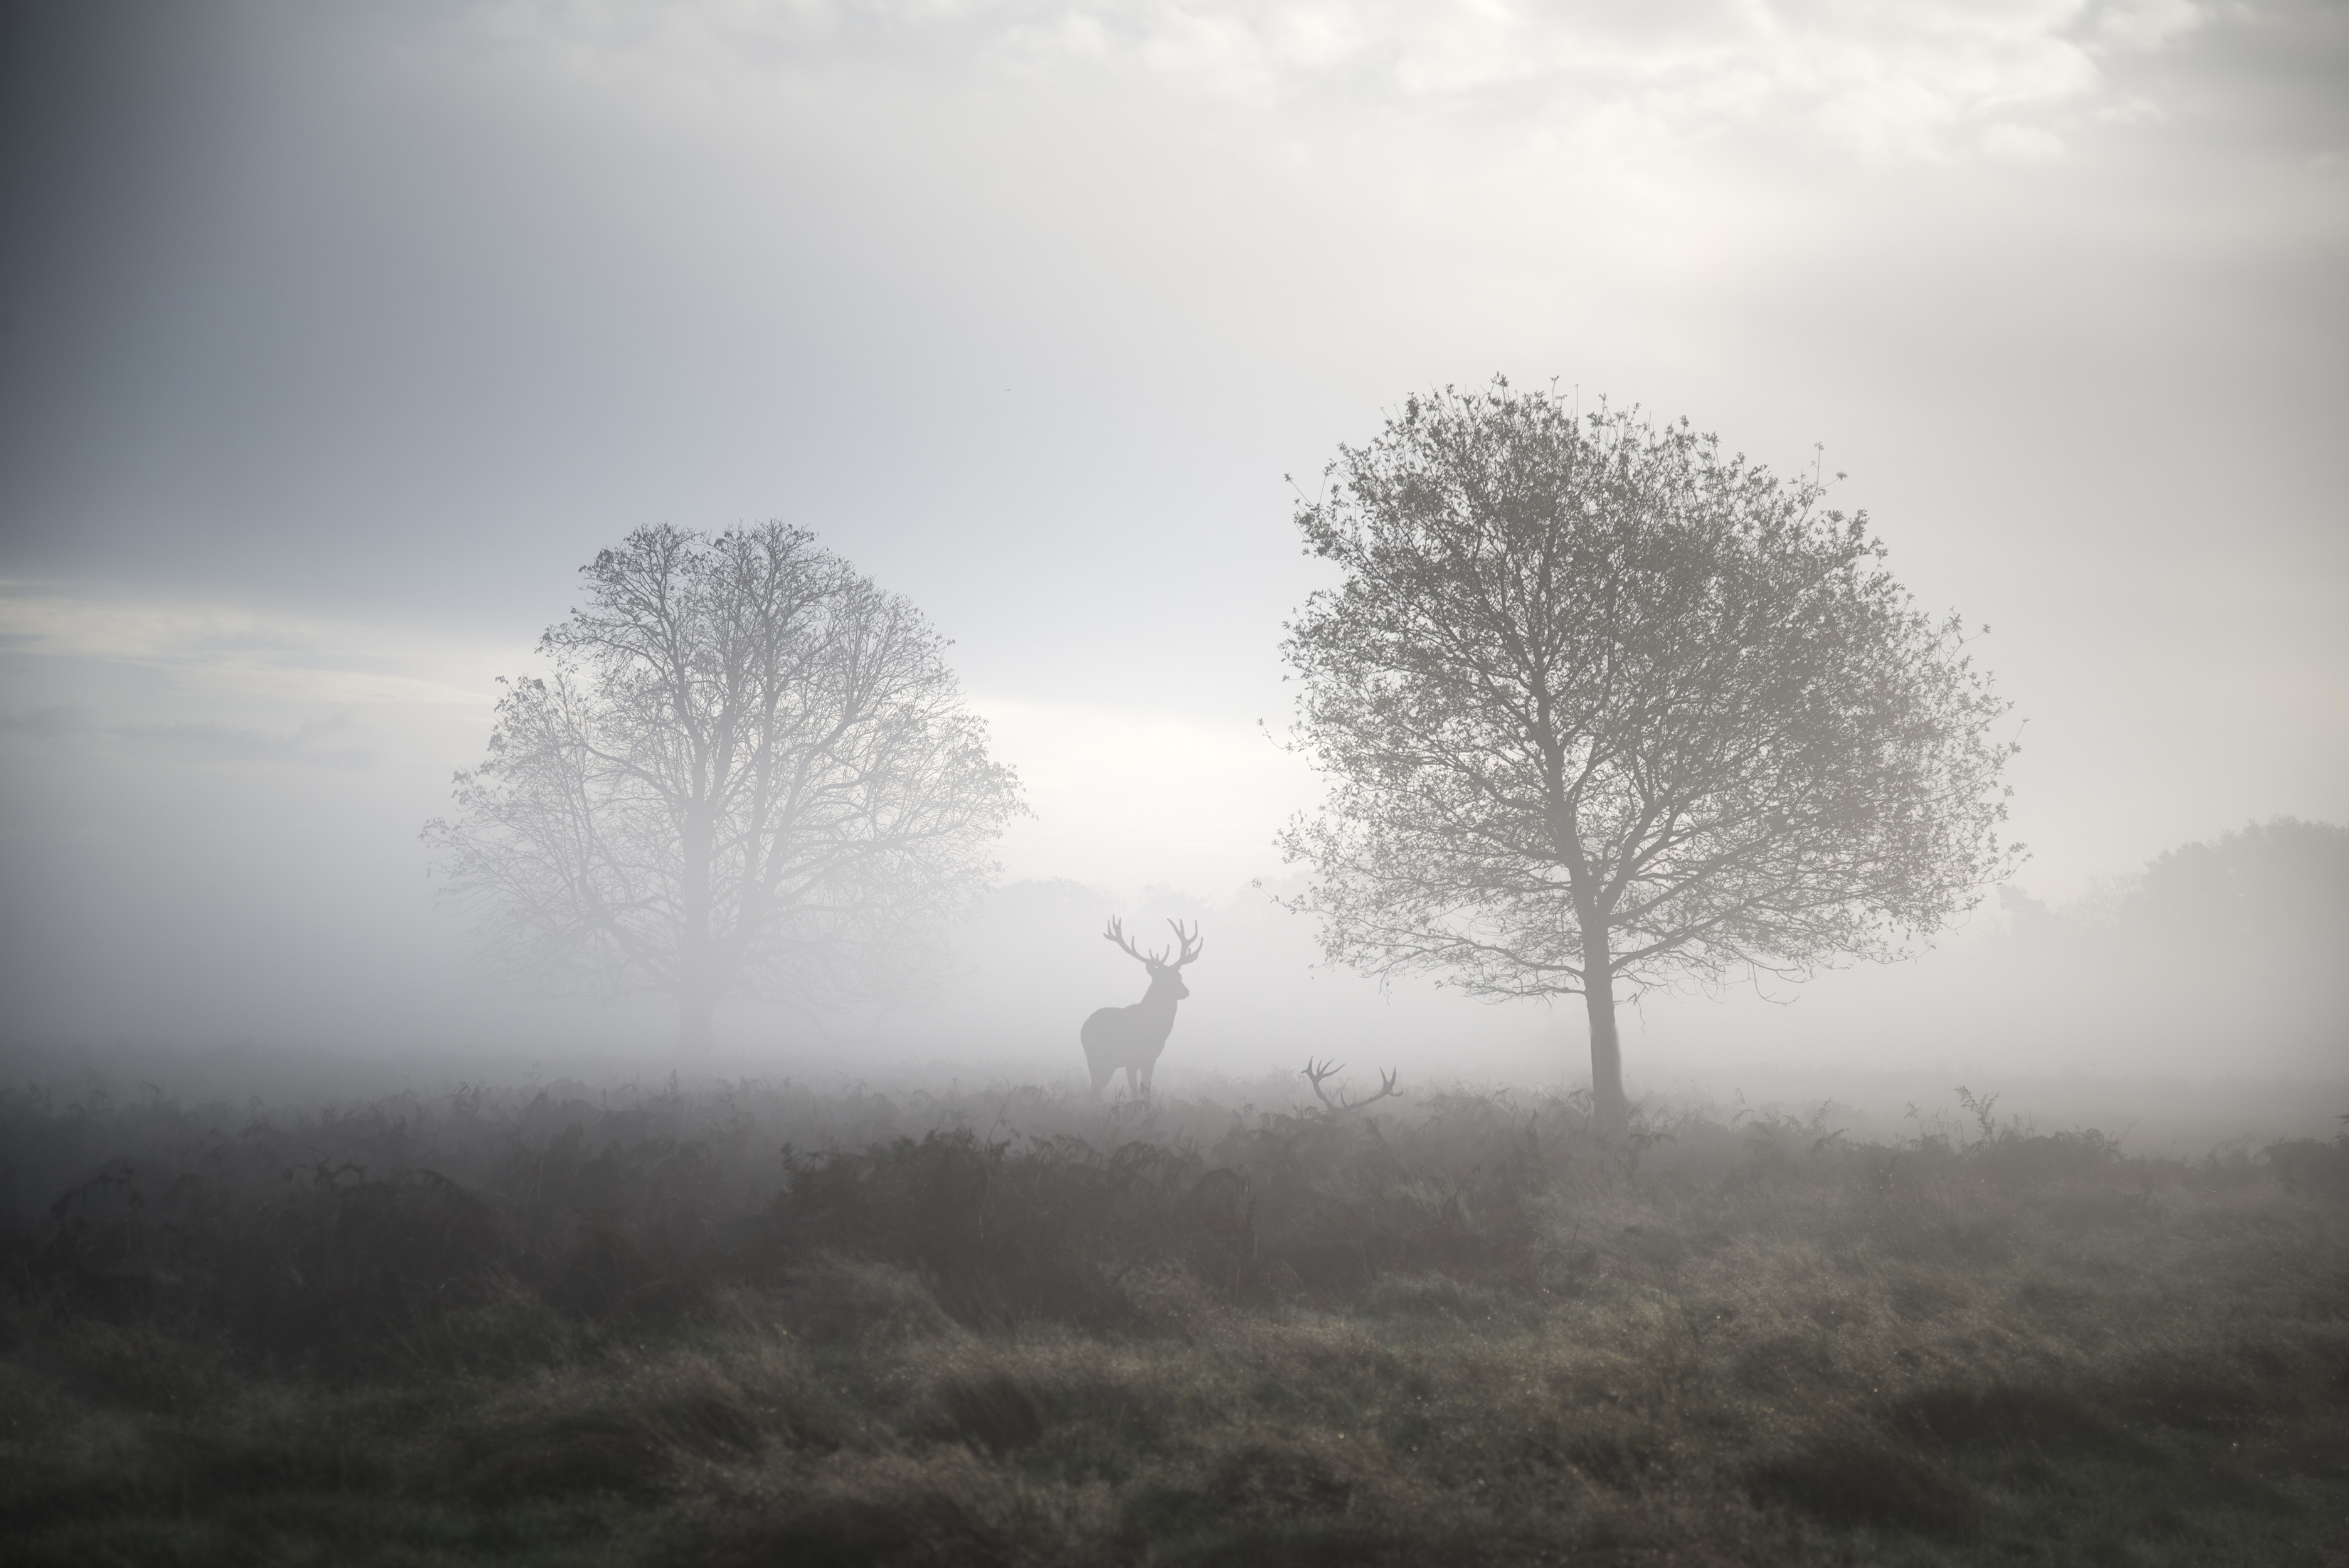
(760, 1324)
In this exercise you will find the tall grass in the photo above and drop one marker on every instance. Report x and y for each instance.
(765, 1324)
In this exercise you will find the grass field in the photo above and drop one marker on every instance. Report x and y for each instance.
(764, 1325)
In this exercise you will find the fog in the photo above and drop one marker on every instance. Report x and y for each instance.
(335, 340)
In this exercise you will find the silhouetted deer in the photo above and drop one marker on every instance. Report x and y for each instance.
(1131, 1037)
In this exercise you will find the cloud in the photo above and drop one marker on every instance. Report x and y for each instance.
(1886, 83)
(307, 745)
(153, 681)
(47, 723)
(2146, 23)
(222, 647)
(2022, 143)
(220, 743)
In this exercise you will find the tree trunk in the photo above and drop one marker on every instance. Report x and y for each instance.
(695, 1029)
(697, 993)
(1610, 1114)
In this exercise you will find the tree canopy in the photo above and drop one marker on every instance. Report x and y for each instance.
(748, 770)
(1601, 708)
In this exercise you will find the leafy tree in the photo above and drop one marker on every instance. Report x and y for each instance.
(1601, 709)
(748, 770)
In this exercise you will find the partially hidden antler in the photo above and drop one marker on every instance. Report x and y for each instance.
(1190, 941)
(1319, 1072)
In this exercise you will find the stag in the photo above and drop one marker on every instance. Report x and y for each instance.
(1131, 1037)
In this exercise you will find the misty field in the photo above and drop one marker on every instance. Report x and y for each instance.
(768, 1324)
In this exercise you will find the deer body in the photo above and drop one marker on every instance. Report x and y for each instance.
(1131, 1038)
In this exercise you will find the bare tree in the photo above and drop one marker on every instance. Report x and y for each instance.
(1132, 1037)
(748, 770)
(1601, 708)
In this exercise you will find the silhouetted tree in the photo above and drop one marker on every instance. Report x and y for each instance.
(1601, 708)
(749, 769)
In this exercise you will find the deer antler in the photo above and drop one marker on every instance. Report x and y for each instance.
(1318, 1073)
(1190, 941)
(1116, 933)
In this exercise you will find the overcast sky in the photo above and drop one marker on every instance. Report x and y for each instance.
(337, 336)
